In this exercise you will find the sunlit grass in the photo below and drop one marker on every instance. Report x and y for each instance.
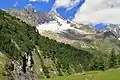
(94, 75)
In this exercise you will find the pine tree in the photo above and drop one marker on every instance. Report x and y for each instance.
(113, 59)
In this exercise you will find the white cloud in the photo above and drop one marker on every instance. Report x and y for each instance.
(32, 0)
(61, 3)
(30, 5)
(95, 11)
(14, 5)
(39, 0)
(66, 3)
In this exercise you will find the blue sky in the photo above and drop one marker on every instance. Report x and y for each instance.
(39, 5)
(70, 13)
(101, 26)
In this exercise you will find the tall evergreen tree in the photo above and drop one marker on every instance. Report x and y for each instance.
(113, 59)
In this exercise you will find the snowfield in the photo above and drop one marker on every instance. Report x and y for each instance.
(59, 25)
(54, 26)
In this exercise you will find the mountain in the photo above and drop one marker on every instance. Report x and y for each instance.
(31, 16)
(71, 32)
(26, 55)
(111, 28)
(54, 48)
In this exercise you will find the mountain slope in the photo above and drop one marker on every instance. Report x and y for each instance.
(77, 35)
(31, 16)
(33, 55)
(96, 75)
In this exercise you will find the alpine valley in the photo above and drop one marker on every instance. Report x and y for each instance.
(36, 45)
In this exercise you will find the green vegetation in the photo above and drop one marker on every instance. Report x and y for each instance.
(95, 75)
(17, 38)
(51, 58)
(3, 62)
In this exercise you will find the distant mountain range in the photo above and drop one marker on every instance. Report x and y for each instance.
(68, 29)
(31, 16)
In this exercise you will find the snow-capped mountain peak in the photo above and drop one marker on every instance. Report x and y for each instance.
(59, 25)
(56, 25)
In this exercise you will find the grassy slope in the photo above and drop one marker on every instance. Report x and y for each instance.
(98, 75)
(3, 62)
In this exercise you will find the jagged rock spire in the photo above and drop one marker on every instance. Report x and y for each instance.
(54, 14)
